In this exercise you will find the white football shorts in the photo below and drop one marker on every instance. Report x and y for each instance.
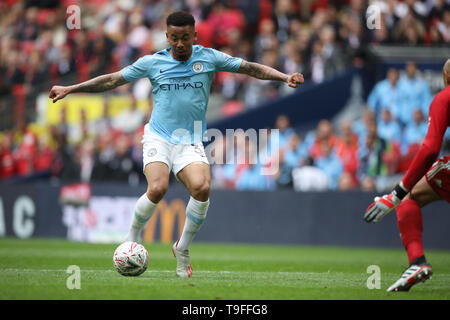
(176, 156)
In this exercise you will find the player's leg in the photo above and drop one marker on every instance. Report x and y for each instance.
(196, 177)
(191, 167)
(409, 218)
(156, 164)
(157, 175)
(409, 221)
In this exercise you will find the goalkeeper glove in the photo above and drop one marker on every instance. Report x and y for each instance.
(385, 204)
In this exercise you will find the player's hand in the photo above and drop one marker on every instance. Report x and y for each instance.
(295, 79)
(381, 207)
(58, 92)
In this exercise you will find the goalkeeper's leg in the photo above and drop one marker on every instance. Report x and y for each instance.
(409, 221)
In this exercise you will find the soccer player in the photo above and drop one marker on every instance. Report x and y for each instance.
(181, 77)
(420, 186)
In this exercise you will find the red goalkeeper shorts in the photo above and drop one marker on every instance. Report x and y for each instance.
(438, 177)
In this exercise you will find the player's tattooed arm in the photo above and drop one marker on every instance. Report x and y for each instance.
(101, 83)
(264, 72)
(98, 84)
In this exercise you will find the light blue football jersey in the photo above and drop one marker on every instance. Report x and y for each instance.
(180, 90)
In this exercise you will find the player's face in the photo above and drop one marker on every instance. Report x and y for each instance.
(181, 39)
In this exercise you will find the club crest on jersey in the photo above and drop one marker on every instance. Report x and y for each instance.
(197, 67)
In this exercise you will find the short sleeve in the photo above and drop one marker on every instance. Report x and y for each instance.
(225, 62)
(138, 69)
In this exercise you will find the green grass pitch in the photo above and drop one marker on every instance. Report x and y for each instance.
(37, 269)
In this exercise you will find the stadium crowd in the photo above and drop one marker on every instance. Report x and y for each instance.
(318, 38)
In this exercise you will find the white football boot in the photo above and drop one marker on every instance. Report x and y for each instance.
(414, 274)
(184, 267)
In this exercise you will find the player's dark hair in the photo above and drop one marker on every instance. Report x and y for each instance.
(180, 19)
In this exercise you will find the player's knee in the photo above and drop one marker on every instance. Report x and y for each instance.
(418, 196)
(156, 191)
(200, 190)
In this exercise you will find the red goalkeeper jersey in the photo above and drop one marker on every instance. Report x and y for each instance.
(438, 121)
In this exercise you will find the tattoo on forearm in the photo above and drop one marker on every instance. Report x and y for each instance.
(101, 83)
(262, 72)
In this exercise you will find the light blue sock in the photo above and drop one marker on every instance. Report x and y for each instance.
(195, 216)
(142, 213)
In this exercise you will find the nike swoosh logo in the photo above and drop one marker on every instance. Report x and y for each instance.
(161, 70)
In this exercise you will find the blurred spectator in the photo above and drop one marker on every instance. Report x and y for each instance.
(25, 154)
(295, 153)
(416, 8)
(317, 62)
(285, 130)
(438, 8)
(414, 93)
(37, 71)
(121, 167)
(332, 54)
(290, 157)
(66, 164)
(283, 13)
(292, 58)
(309, 178)
(389, 129)
(346, 182)
(329, 163)
(28, 28)
(385, 95)
(415, 132)
(106, 150)
(102, 124)
(443, 26)
(409, 30)
(360, 126)
(371, 155)
(324, 138)
(87, 161)
(44, 155)
(100, 55)
(413, 136)
(258, 91)
(266, 39)
(65, 69)
(347, 150)
(253, 179)
(81, 130)
(130, 119)
(222, 20)
(7, 168)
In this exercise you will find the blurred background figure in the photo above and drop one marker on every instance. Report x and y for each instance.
(130, 119)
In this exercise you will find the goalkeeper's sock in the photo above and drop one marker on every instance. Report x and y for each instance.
(143, 211)
(409, 221)
(195, 215)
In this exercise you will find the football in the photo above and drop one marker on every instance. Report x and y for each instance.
(130, 259)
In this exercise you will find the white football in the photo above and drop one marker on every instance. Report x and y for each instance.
(130, 259)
